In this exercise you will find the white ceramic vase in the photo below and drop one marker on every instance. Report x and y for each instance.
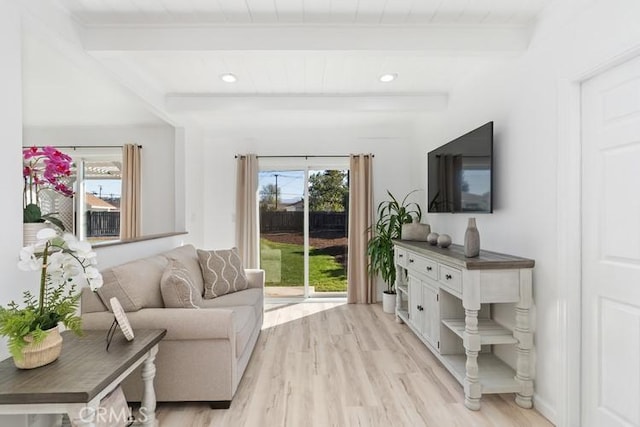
(471, 240)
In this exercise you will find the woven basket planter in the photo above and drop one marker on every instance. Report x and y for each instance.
(42, 353)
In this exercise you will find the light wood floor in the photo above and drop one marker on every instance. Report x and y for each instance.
(333, 364)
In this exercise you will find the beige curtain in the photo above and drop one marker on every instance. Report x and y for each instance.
(247, 210)
(361, 288)
(130, 201)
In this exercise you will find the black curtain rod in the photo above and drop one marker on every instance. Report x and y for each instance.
(301, 157)
(75, 147)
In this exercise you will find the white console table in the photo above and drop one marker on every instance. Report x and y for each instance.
(446, 299)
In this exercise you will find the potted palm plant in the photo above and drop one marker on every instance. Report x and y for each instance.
(391, 215)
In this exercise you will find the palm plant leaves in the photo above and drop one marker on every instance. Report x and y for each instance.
(391, 216)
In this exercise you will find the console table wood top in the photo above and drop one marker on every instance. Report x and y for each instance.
(82, 371)
(454, 255)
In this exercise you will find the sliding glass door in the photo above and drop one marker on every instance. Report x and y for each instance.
(303, 226)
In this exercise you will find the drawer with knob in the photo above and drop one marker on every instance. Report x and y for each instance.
(401, 257)
(451, 278)
(422, 265)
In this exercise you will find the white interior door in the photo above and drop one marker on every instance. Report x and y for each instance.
(611, 247)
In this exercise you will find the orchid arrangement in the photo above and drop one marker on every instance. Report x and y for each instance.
(61, 260)
(43, 169)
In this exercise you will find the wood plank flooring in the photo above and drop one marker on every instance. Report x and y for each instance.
(333, 364)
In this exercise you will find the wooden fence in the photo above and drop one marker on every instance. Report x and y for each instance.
(102, 224)
(276, 222)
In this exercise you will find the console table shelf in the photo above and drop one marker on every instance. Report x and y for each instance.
(446, 299)
(490, 332)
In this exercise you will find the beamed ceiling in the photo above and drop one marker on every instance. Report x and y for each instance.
(312, 58)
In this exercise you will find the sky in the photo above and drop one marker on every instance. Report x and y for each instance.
(290, 183)
(110, 187)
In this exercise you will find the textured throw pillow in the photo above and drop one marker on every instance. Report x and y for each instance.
(222, 272)
(178, 287)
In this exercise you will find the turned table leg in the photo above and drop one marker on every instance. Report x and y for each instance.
(148, 404)
(472, 386)
(399, 281)
(83, 415)
(523, 334)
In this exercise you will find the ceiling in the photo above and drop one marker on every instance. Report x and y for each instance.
(312, 58)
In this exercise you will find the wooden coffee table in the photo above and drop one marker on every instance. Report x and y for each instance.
(82, 376)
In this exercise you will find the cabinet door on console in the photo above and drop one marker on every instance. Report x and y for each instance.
(431, 314)
(415, 303)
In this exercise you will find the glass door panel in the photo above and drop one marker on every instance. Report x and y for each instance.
(303, 230)
(328, 220)
(282, 225)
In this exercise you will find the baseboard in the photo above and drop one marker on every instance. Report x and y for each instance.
(547, 410)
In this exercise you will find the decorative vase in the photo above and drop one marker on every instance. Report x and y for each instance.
(432, 238)
(42, 353)
(471, 240)
(29, 232)
(444, 241)
(415, 231)
(388, 302)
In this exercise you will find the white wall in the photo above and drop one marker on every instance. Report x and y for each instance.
(391, 146)
(522, 98)
(13, 282)
(158, 201)
(194, 182)
(10, 162)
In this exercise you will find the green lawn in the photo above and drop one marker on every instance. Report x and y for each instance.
(284, 265)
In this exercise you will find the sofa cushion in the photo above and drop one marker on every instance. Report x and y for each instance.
(178, 288)
(189, 258)
(253, 297)
(244, 323)
(136, 284)
(222, 272)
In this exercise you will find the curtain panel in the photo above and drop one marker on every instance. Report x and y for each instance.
(130, 201)
(361, 286)
(247, 238)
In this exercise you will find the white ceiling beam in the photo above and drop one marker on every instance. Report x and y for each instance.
(446, 39)
(181, 103)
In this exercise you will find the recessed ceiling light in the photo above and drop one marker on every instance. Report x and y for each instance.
(228, 78)
(386, 78)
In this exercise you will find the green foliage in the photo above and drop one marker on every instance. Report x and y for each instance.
(391, 216)
(17, 323)
(328, 191)
(32, 213)
(57, 301)
(270, 197)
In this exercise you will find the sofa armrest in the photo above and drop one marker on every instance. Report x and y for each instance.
(255, 277)
(180, 323)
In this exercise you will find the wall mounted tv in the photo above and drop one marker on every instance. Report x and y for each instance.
(460, 176)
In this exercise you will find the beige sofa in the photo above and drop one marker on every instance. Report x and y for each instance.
(206, 350)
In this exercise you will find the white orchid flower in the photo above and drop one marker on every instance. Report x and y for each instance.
(28, 260)
(93, 277)
(67, 260)
(46, 234)
(82, 249)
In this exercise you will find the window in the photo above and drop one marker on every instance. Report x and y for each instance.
(93, 213)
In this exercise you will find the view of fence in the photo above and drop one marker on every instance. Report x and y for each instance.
(103, 224)
(273, 222)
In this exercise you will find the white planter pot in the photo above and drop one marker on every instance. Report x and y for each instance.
(388, 303)
(29, 232)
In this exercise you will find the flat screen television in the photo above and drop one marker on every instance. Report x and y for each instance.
(460, 176)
